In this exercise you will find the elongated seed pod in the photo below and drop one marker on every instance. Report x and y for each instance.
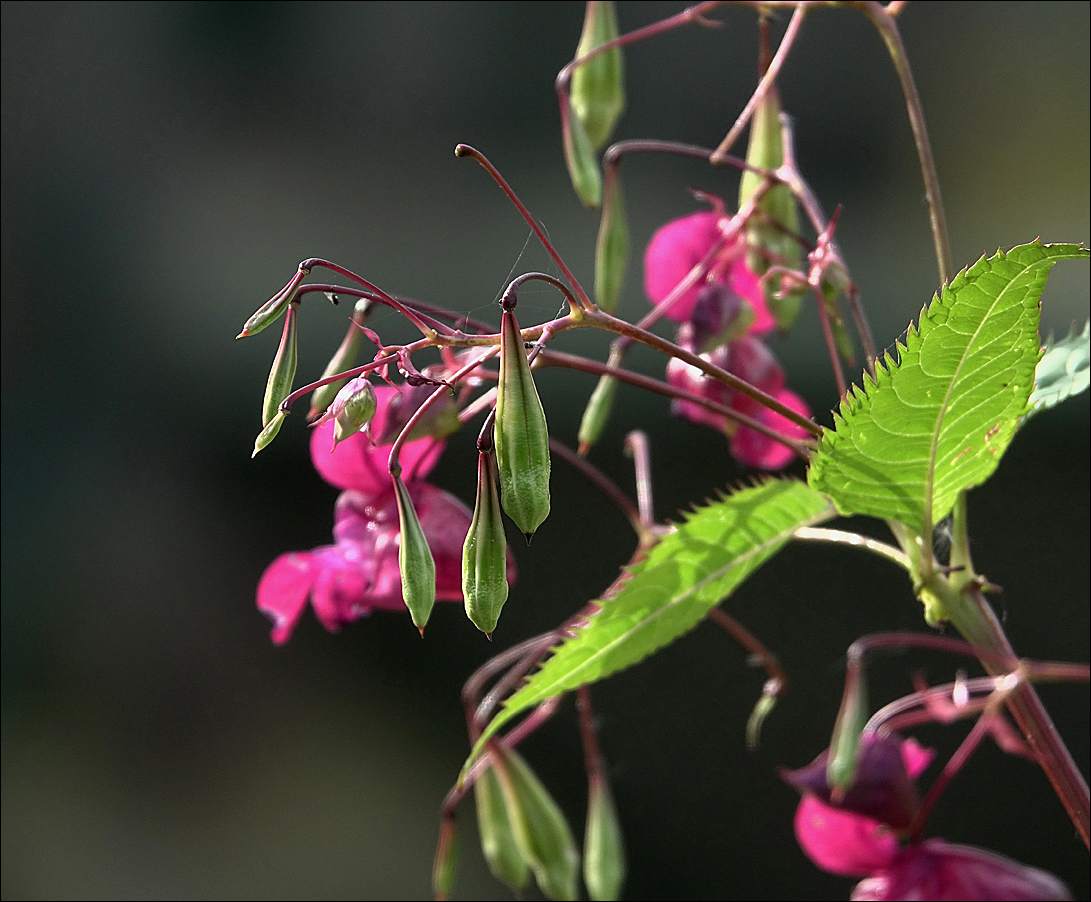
(520, 435)
(498, 842)
(484, 555)
(418, 569)
(282, 373)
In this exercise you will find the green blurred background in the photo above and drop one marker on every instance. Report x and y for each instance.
(165, 166)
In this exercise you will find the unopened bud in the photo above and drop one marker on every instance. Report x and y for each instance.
(484, 555)
(282, 373)
(598, 89)
(418, 568)
(612, 247)
(520, 434)
(540, 829)
(343, 359)
(352, 410)
(498, 844)
(604, 863)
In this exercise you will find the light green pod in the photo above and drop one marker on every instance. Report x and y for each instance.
(445, 865)
(604, 864)
(485, 552)
(598, 87)
(343, 358)
(282, 373)
(851, 718)
(612, 246)
(268, 433)
(498, 843)
(520, 435)
(597, 413)
(418, 569)
(579, 156)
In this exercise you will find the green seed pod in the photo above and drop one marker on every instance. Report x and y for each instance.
(269, 312)
(612, 247)
(834, 281)
(268, 433)
(445, 866)
(498, 843)
(597, 413)
(418, 569)
(520, 435)
(853, 714)
(485, 553)
(282, 373)
(598, 87)
(603, 846)
(344, 357)
(352, 409)
(771, 238)
(540, 829)
(579, 156)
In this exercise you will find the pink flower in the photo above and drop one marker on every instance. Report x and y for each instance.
(749, 359)
(683, 243)
(359, 573)
(857, 834)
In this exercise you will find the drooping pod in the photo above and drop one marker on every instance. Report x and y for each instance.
(415, 561)
(484, 555)
(520, 435)
(282, 373)
(494, 822)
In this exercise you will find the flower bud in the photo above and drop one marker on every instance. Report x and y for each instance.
(520, 435)
(597, 413)
(343, 358)
(598, 89)
(612, 247)
(485, 554)
(498, 843)
(282, 373)
(268, 433)
(352, 409)
(771, 238)
(579, 156)
(540, 829)
(603, 846)
(415, 562)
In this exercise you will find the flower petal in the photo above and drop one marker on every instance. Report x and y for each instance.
(843, 842)
(673, 251)
(283, 591)
(753, 449)
(937, 870)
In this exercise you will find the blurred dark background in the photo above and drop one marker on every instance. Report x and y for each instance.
(165, 167)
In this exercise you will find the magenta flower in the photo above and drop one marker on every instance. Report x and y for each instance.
(683, 243)
(857, 834)
(749, 359)
(359, 572)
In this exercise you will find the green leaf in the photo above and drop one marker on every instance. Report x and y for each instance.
(1063, 371)
(937, 421)
(690, 571)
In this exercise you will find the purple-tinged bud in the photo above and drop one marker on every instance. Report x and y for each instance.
(352, 410)
(604, 864)
(415, 562)
(282, 373)
(440, 420)
(343, 359)
(520, 434)
(494, 823)
(485, 553)
(719, 316)
(598, 88)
